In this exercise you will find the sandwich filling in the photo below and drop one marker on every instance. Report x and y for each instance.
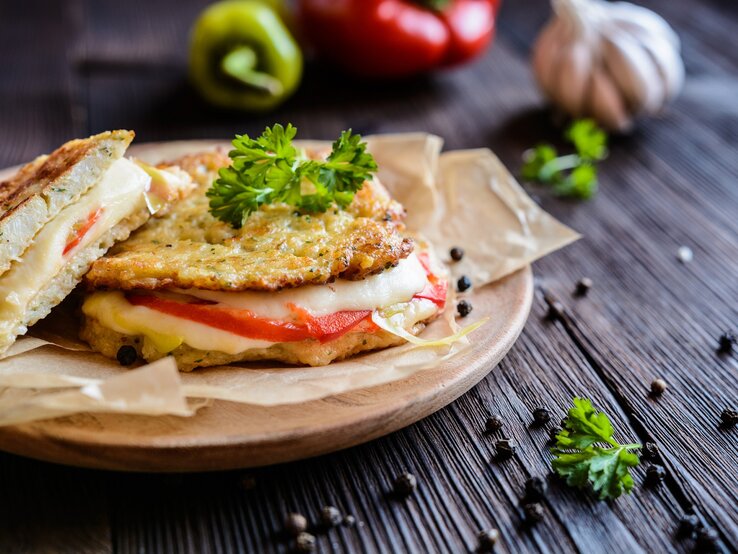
(233, 322)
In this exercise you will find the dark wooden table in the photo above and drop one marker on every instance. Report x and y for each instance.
(76, 67)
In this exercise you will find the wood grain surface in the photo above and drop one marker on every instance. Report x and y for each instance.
(80, 66)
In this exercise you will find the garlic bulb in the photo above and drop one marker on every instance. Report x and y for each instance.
(611, 61)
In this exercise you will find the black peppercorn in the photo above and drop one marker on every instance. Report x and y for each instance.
(726, 342)
(555, 311)
(553, 432)
(541, 416)
(535, 488)
(493, 424)
(533, 512)
(583, 286)
(487, 540)
(463, 284)
(658, 386)
(464, 308)
(729, 418)
(349, 520)
(650, 452)
(126, 355)
(688, 524)
(505, 448)
(707, 540)
(330, 516)
(655, 475)
(305, 542)
(456, 253)
(405, 484)
(295, 524)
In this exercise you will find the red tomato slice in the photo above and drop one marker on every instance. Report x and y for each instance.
(435, 292)
(82, 231)
(245, 324)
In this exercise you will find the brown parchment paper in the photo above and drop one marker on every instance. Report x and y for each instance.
(464, 198)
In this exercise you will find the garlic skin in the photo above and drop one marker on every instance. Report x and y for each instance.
(612, 61)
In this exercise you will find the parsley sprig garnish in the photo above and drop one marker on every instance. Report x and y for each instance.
(587, 454)
(573, 174)
(269, 169)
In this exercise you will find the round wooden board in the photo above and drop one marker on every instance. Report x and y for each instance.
(228, 435)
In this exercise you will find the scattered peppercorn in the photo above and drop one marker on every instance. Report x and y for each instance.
(726, 342)
(555, 311)
(688, 524)
(554, 431)
(487, 540)
(535, 488)
(295, 524)
(305, 542)
(658, 386)
(583, 286)
(464, 308)
(463, 284)
(330, 516)
(505, 448)
(456, 253)
(650, 451)
(405, 484)
(655, 475)
(729, 418)
(126, 355)
(541, 416)
(707, 540)
(349, 520)
(533, 512)
(493, 424)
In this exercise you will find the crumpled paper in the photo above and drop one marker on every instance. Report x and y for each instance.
(464, 198)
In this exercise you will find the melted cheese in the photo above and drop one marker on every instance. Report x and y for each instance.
(398, 284)
(393, 286)
(119, 193)
(115, 312)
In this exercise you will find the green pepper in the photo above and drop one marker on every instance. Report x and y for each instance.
(242, 56)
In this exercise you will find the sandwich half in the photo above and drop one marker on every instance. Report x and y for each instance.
(301, 289)
(61, 212)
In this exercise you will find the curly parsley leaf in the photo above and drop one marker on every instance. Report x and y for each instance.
(582, 462)
(573, 175)
(269, 169)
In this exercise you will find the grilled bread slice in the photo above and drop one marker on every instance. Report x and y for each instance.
(42, 188)
(54, 260)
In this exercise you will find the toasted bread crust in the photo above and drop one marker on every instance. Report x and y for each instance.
(43, 187)
(275, 248)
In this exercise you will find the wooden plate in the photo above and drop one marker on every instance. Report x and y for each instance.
(229, 435)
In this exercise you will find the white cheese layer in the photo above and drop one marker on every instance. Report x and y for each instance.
(398, 284)
(165, 331)
(118, 194)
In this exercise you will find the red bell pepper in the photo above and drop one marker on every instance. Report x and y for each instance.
(394, 38)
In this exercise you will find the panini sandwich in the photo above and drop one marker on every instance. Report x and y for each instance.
(278, 255)
(61, 212)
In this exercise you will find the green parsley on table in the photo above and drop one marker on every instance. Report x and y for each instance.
(572, 175)
(587, 455)
(269, 169)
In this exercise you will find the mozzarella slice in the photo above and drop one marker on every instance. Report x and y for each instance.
(398, 284)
